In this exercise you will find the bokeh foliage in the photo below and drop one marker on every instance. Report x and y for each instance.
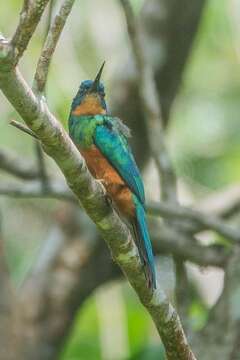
(203, 138)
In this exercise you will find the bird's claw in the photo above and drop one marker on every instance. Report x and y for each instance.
(101, 182)
(107, 196)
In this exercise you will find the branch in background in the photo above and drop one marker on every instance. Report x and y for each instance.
(205, 221)
(171, 242)
(55, 190)
(29, 18)
(58, 145)
(17, 166)
(151, 108)
(53, 35)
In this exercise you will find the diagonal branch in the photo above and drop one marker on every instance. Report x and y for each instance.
(58, 145)
(29, 18)
(50, 44)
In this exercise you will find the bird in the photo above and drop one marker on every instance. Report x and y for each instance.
(103, 141)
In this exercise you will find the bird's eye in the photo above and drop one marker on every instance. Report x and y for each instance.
(83, 91)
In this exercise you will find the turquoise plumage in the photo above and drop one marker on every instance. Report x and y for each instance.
(103, 141)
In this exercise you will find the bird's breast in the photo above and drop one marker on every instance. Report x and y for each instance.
(115, 186)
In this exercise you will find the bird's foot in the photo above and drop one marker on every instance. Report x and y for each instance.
(105, 193)
(102, 182)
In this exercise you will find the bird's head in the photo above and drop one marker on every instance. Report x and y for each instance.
(90, 98)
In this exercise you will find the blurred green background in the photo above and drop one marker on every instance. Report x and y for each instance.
(203, 140)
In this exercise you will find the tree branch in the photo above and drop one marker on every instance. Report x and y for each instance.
(29, 18)
(52, 38)
(58, 145)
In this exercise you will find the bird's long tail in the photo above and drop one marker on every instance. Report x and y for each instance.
(144, 243)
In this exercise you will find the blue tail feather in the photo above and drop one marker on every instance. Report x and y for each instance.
(144, 243)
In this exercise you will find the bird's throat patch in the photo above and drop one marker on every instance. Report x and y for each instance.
(91, 105)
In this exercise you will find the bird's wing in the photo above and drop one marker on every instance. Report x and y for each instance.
(113, 144)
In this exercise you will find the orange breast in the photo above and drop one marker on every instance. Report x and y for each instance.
(91, 105)
(101, 169)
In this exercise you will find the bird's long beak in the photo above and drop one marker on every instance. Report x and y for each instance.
(94, 87)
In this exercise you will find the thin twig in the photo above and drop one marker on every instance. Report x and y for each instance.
(23, 128)
(50, 44)
(30, 16)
